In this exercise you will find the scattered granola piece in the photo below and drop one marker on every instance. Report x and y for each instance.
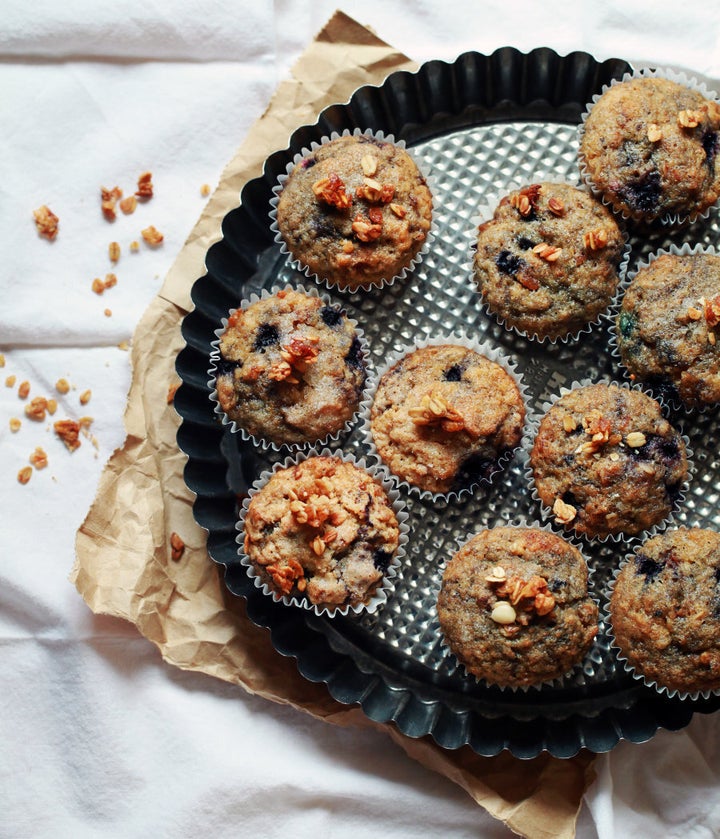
(46, 221)
(23, 390)
(497, 575)
(108, 201)
(144, 186)
(124, 346)
(525, 201)
(39, 458)
(205, 190)
(152, 235)
(564, 513)
(689, 119)
(569, 423)
(128, 205)
(36, 408)
(99, 286)
(24, 474)
(62, 386)
(331, 190)
(85, 396)
(177, 546)
(134, 246)
(2, 360)
(172, 390)
(14, 424)
(550, 253)
(114, 251)
(10, 381)
(68, 431)
(51, 406)
(107, 312)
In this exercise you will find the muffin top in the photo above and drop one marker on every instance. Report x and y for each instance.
(547, 262)
(649, 146)
(444, 415)
(514, 606)
(323, 528)
(291, 368)
(607, 462)
(667, 328)
(355, 211)
(665, 610)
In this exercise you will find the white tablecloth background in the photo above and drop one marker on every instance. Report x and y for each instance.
(98, 736)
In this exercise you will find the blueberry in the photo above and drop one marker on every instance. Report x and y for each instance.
(648, 567)
(508, 263)
(627, 323)
(323, 228)
(710, 142)
(381, 560)
(266, 336)
(354, 357)
(665, 389)
(555, 584)
(643, 194)
(331, 315)
(308, 162)
(524, 243)
(476, 467)
(225, 367)
(453, 374)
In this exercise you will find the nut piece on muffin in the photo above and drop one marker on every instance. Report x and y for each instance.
(649, 147)
(667, 328)
(356, 211)
(291, 368)
(547, 262)
(514, 606)
(445, 417)
(665, 610)
(323, 529)
(606, 462)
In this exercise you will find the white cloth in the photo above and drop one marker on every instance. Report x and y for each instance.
(99, 736)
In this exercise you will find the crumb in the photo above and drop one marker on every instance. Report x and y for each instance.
(134, 246)
(10, 381)
(51, 406)
(114, 251)
(62, 386)
(128, 205)
(107, 313)
(172, 390)
(152, 235)
(24, 474)
(46, 221)
(2, 360)
(85, 396)
(124, 346)
(23, 390)
(205, 190)
(15, 424)
(108, 201)
(177, 546)
(144, 186)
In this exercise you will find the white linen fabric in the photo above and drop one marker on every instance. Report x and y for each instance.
(99, 736)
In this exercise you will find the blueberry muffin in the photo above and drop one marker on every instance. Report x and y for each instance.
(514, 606)
(444, 417)
(649, 147)
(290, 368)
(665, 610)
(356, 211)
(667, 328)
(547, 262)
(322, 530)
(606, 462)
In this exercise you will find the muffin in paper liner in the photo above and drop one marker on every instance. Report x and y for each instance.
(301, 526)
(481, 467)
(266, 443)
(358, 229)
(589, 436)
(586, 656)
(542, 253)
(696, 317)
(645, 189)
(646, 566)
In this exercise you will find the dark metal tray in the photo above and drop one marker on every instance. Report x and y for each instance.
(476, 124)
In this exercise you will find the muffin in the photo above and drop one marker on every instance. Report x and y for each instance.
(290, 368)
(547, 263)
(665, 611)
(323, 531)
(514, 606)
(649, 146)
(606, 462)
(445, 417)
(667, 327)
(356, 211)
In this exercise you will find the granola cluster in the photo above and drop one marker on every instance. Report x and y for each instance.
(519, 600)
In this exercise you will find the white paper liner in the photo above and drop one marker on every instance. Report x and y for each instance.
(261, 442)
(386, 586)
(546, 512)
(486, 212)
(668, 219)
(671, 693)
(298, 265)
(672, 398)
(483, 348)
(575, 674)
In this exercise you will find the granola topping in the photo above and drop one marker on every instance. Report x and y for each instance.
(689, 118)
(556, 207)
(295, 357)
(525, 597)
(564, 513)
(285, 575)
(635, 439)
(331, 190)
(595, 240)
(370, 228)
(434, 410)
(375, 192)
(550, 253)
(654, 134)
(369, 165)
(525, 201)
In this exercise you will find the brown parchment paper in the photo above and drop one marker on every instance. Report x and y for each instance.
(123, 564)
